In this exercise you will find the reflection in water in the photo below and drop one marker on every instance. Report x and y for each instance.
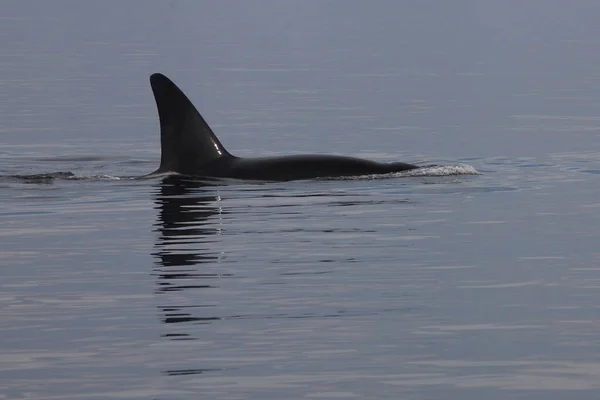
(188, 228)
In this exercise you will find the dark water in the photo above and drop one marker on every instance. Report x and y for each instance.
(454, 286)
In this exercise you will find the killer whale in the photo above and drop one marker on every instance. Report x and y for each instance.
(190, 147)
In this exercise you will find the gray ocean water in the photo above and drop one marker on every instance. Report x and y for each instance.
(456, 286)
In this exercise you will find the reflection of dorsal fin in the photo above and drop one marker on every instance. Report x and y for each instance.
(187, 142)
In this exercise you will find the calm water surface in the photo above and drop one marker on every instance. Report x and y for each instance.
(455, 286)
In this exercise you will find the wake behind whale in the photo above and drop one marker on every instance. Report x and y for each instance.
(51, 177)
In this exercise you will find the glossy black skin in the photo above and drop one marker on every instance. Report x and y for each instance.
(287, 168)
(190, 147)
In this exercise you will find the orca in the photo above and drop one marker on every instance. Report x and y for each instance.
(190, 147)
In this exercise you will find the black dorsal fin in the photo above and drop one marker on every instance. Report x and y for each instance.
(187, 142)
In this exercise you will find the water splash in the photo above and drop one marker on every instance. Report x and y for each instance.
(425, 170)
(442, 170)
